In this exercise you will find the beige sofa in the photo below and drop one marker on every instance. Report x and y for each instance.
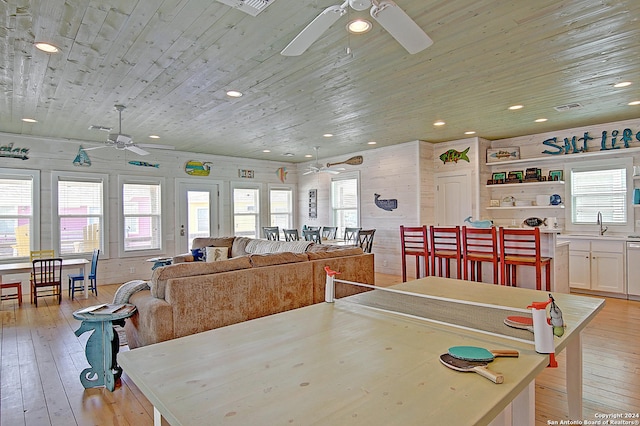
(191, 297)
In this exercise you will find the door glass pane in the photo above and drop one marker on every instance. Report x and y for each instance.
(198, 223)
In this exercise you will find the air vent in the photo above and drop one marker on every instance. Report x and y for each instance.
(567, 107)
(252, 7)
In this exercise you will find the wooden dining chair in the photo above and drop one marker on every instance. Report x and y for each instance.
(521, 247)
(351, 235)
(17, 286)
(46, 273)
(291, 234)
(445, 246)
(479, 245)
(312, 235)
(414, 242)
(271, 233)
(91, 278)
(41, 254)
(329, 232)
(365, 239)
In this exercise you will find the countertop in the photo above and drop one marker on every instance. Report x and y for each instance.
(605, 237)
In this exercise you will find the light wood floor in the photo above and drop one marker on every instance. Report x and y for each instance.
(41, 360)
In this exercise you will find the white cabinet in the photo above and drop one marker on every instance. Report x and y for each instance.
(597, 265)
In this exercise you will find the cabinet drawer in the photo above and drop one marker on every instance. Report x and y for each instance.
(584, 245)
(607, 246)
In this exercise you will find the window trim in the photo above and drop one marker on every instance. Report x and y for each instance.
(261, 203)
(35, 230)
(142, 180)
(282, 187)
(616, 163)
(56, 176)
(347, 176)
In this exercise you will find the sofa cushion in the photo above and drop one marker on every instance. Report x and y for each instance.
(256, 246)
(161, 275)
(258, 260)
(215, 254)
(335, 252)
(239, 246)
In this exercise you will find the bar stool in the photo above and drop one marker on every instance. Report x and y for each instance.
(479, 245)
(445, 247)
(522, 247)
(414, 242)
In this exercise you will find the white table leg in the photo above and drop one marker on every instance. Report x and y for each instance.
(574, 377)
(157, 417)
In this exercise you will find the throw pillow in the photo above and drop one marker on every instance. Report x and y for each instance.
(217, 253)
(197, 254)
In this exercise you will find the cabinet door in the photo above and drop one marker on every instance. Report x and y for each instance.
(607, 272)
(579, 269)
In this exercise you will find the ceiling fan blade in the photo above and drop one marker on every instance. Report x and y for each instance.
(154, 146)
(400, 26)
(134, 148)
(95, 147)
(331, 172)
(308, 172)
(313, 31)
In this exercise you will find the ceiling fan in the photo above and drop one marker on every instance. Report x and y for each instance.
(385, 12)
(320, 168)
(124, 142)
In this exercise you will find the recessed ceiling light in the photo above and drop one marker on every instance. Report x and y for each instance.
(154, 136)
(46, 47)
(439, 123)
(359, 26)
(622, 84)
(634, 103)
(308, 156)
(328, 135)
(266, 150)
(288, 154)
(372, 143)
(540, 120)
(470, 132)
(234, 93)
(29, 120)
(515, 107)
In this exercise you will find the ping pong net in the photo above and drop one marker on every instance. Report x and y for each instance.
(478, 317)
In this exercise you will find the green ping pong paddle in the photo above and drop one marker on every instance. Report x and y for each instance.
(471, 366)
(474, 353)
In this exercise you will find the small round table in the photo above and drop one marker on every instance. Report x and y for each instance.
(103, 346)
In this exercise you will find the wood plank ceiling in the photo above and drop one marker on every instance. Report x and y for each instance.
(170, 63)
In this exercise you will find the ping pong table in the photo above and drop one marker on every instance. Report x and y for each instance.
(345, 363)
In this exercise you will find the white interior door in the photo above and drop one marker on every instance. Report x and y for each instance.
(453, 198)
(197, 212)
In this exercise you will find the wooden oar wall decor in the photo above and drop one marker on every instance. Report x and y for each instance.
(353, 161)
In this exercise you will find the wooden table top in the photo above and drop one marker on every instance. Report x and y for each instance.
(19, 267)
(343, 364)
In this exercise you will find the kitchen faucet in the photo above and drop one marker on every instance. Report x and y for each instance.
(599, 222)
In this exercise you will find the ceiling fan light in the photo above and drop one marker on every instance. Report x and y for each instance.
(46, 47)
(359, 26)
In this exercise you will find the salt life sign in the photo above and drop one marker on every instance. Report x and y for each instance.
(575, 144)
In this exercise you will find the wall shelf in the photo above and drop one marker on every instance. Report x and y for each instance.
(511, 185)
(526, 207)
(568, 157)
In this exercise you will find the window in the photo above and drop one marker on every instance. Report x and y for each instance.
(344, 201)
(80, 220)
(281, 207)
(599, 187)
(19, 212)
(142, 220)
(246, 212)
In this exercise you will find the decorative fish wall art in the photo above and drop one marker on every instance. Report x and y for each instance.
(82, 158)
(197, 168)
(453, 156)
(143, 164)
(534, 221)
(8, 151)
(387, 205)
(282, 174)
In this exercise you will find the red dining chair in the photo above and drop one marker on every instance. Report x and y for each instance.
(521, 247)
(414, 242)
(445, 247)
(479, 245)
